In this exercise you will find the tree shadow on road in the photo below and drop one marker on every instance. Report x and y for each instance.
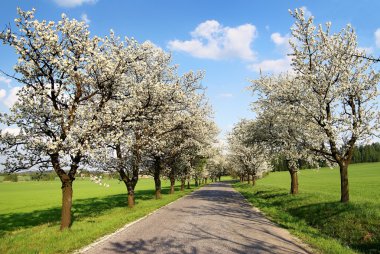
(199, 240)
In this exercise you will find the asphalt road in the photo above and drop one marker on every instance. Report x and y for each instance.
(214, 219)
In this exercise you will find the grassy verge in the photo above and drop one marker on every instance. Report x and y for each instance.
(33, 227)
(316, 216)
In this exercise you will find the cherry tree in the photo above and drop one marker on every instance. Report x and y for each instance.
(332, 88)
(279, 125)
(145, 95)
(248, 159)
(339, 89)
(68, 79)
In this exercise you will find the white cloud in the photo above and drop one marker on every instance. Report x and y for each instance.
(211, 40)
(225, 95)
(377, 37)
(273, 66)
(306, 11)
(276, 65)
(13, 131)
(12, 97)
(5, 80)
(3, 93)
(280, 40)
(367, 50)
(85, 18)
(73, 3)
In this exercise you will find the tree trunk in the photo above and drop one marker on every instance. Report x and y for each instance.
(344, 190)
(206, 180)
(253, 180)
(220, 178)
(172, 182)
(188, 182)
(183, 182)
(157, 180)
(294, 181)
(67, 200)
(131, 194)
(196, 181)
(248, 179)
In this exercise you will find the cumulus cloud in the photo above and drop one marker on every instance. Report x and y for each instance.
(367, 50)
(5, 80)
(306, 11)
(275, 65)
(73, 3)
(272, 65)
(212, 40)
(280, 40)
(85, 18)
(12, 97)
(377, 37)
(3, 93)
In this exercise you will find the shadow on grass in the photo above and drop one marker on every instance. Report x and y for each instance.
(357, 225)
(82, 208)
(354, 224)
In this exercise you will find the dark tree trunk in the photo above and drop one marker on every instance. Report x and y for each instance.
(344, 190)
(188, 182)
(183, 182)
(220, 178)
(172, 182)
(67, 201)
(196, 181)
(253, 180)
(130, 183)
(248, 179)
(131, 194)
(157, 180)
(294, 181)
(206, 180)
(67, 187)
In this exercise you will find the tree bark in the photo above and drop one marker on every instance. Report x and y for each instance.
(67, 201)
(172, 182)
(344, 189)
(131, 194)
(253, 180)
(157, 180)
(248, 179)
(183, 182)
(206, 180)
(294, 181)
(196, 181)
(67, 187)
(220, 178)
(188, 182)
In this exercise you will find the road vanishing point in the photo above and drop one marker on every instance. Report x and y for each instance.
(213, 219)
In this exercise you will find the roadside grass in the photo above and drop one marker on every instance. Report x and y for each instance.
(316, 215)
(30, 213)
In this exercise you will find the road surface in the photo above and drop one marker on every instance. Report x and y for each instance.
(214, 219)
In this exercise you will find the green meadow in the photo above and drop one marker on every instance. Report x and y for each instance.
(315, 215)
(30, 213)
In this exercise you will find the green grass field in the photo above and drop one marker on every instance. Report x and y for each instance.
(316, 215)
(30, 213)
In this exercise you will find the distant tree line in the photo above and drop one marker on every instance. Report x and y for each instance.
(366, 153)
(361, 154)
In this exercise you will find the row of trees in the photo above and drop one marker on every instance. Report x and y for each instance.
(317, 112)
(366, 153)
(102, 103)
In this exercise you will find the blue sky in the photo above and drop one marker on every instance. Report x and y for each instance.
(229, 40)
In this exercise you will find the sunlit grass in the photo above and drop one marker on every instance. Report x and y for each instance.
(316, 215)
(30, 213)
